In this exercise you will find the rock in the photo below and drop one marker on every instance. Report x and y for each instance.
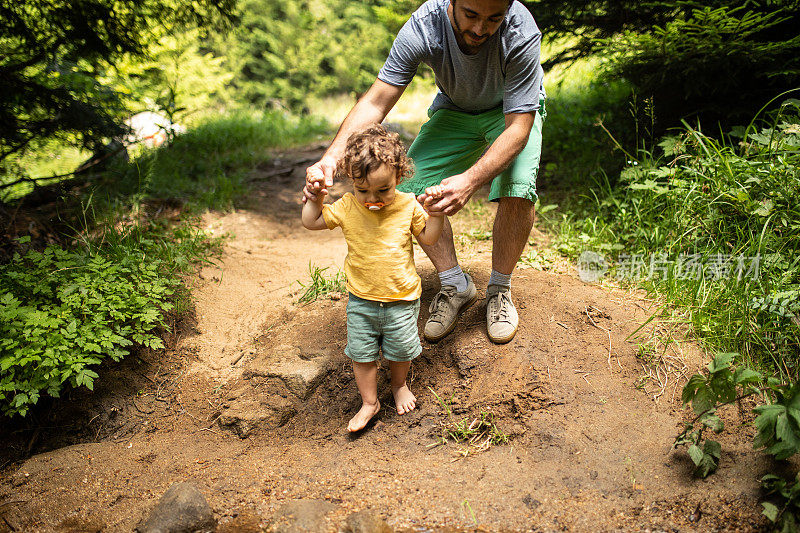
(301, 373)
(246, 415)
(182, 509)
(366, 521)
(301, 516)
(465, 362)
(531, 503)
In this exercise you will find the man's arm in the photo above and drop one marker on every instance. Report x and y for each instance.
(372, 108)
(456, 190)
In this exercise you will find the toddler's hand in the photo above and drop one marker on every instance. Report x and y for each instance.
(434, 193)
(315, 184)
(319, 176)
(430, 195)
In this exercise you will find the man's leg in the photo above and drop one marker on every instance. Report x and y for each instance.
(443, 253)
(457, 291)
(515, 190)
(512, 227)
(447, 145)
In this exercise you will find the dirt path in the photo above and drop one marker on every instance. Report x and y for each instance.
(252, 402)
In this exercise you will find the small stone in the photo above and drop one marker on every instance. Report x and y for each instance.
(301, 516)
(20, 478)
(182, 509)
(530, 502)
(366, 521)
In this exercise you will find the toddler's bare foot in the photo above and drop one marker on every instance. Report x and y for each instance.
(363, 416)
(404, 400)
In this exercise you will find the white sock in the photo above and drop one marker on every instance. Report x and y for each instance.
(496, 278)
(454, 276)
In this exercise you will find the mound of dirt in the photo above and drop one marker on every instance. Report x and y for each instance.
(252, 403)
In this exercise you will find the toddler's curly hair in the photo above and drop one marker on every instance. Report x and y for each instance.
(368, 149)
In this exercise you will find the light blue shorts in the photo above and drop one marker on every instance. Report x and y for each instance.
(387, 326)
(452, 141)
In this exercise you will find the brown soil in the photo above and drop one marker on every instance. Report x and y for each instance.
(252, 400)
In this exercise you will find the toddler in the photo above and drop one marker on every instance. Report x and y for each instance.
(382, 281)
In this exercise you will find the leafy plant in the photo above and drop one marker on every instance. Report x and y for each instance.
(777, 425)
(63, 312)
(707, 393)
(537, 259)
(785, 514)
(711, 226)
(321, 285)
(478, 434)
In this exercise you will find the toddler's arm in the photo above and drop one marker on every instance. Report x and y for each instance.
(312, 209)
(433, 229)
(435, 223)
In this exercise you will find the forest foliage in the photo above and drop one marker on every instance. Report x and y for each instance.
(73, 69)
(55, 56)
(710, 62)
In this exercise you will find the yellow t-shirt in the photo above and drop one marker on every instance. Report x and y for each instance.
(380, 259)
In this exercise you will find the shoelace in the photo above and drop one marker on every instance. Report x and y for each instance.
(437, 310)
(499, 307)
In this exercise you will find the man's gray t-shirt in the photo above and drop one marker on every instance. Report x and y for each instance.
(506, 70)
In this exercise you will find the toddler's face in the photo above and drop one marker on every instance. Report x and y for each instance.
(377, 190)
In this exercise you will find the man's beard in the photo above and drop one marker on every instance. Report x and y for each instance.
(473, 48)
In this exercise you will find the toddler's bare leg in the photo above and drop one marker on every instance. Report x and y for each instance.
(367, 383)
(404, 400)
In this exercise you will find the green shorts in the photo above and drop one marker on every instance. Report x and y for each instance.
(388, 326)
(452, 141)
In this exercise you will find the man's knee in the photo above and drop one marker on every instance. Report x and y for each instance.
(515, 206)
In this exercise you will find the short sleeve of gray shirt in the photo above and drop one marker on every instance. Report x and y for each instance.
(506, 70)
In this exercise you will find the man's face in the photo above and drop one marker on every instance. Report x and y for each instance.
(474, 21)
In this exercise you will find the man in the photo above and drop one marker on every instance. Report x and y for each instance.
(485, 126)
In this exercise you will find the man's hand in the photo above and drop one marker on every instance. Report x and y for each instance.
(449, 197)
(318, 177)
(314, 189)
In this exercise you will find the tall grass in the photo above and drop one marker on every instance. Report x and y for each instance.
(713, 226)
(206, 167)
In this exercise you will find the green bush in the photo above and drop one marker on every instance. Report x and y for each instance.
(708, 201)
(62, 312)
(777, 428)
(284, 52)
(718, 64)
(716, 60)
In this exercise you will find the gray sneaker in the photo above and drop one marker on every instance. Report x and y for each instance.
(501, 315)
(445, 308)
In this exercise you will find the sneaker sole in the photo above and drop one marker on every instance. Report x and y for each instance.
(453, 325)
(503, 340)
